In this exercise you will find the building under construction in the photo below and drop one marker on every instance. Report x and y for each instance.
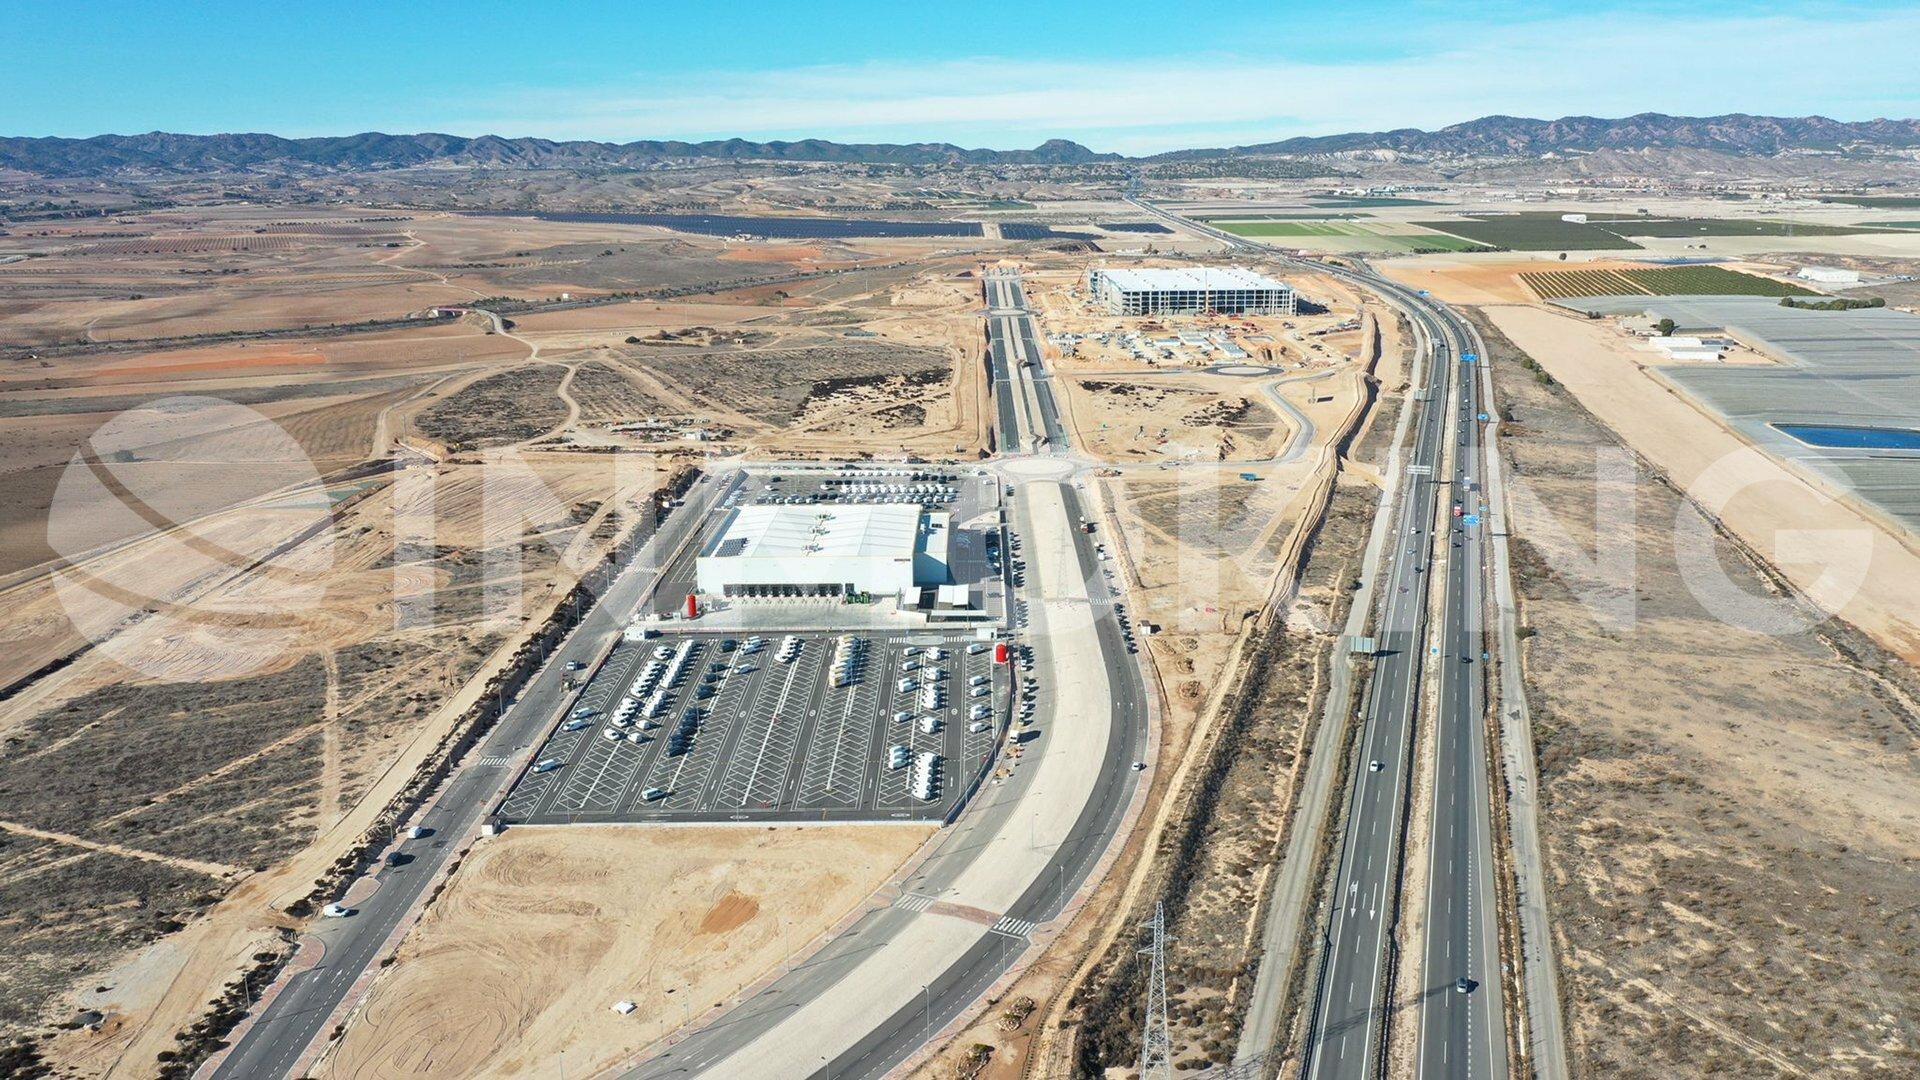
(1195, 290)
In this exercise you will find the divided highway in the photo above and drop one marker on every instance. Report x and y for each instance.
(1461, 1025)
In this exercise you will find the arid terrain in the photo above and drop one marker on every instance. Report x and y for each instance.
(295, 474)
(1728, 814)
(174, 785)
(520, 964)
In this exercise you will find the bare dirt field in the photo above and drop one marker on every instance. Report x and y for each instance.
(544, 930)
(1484, 280)
(1685, 442)
(1728, 816)
(508, 407)
(1322, 334)
(158, 853)
(1195, 418)
(213, 270)
(232, 790)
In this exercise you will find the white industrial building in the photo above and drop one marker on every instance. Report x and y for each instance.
(1189, 290)
(1829, 275)
(889, 549)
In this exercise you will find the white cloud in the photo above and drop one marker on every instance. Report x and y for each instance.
(1852, 68)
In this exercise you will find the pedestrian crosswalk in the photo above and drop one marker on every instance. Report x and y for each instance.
(1012, 927)
(495, 761)
(913, 902)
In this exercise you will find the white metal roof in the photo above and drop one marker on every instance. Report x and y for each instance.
(1188, 279)
(775, 532)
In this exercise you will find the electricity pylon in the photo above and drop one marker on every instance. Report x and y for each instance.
(1156, 1036)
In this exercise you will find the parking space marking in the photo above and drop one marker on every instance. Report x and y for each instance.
(747, 782)
(774, 738)
(730, 718)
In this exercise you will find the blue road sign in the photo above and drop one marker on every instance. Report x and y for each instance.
(1423, 292)
(1468, 358)
(1471, 519)
(1484, 418)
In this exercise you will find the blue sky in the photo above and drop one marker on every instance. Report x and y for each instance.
(1117, 75)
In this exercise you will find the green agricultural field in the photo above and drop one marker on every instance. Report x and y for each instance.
(1707, 281)
(1434, 242)
(1369, 236)
(1276, 217)
(1560, 284)
(1349, 202)
(1290, 228)
(1879, 202)
(1680, 227)
(1656, 281)
(1531, 232)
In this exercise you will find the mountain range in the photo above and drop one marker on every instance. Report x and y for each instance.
(160, 152)
(1503, 136)
(163, 154)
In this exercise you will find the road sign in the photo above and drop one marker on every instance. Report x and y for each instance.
(1471, 519)
(1484, 418)
(1468, 358)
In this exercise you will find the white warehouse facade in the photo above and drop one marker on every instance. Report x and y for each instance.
(776, 551)
(1189, 290)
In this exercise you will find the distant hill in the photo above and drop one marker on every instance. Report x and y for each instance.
(1504, 136)
(162, 154)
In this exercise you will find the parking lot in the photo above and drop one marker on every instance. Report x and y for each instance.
(783, 727)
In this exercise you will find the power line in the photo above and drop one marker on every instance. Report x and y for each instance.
(1156, 1036)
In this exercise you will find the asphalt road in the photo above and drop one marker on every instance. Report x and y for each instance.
(998, 811)
(300, 1012)
(1023, 387)
(1461, 1034)
(1347, 1021)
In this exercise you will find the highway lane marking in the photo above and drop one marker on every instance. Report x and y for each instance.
(1408, 512)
